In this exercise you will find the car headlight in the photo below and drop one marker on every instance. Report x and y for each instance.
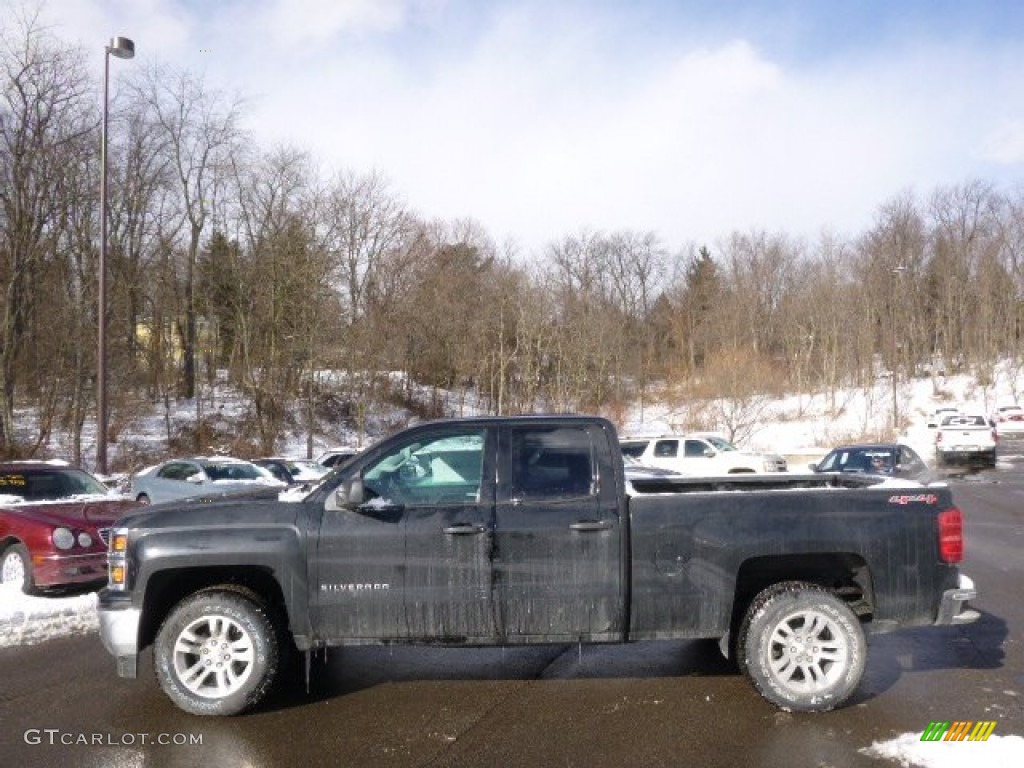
(84, 539)
(63, 538)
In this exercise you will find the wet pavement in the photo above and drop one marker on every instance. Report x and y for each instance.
(650, 704)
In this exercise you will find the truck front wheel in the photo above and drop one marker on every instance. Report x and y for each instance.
(802, 647)
(217, 652)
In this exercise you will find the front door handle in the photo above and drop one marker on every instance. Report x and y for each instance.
(464, 529)
(590, 525)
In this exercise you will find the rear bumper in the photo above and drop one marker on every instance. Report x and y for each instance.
(954, 606)
(984, 455)
(119, 630)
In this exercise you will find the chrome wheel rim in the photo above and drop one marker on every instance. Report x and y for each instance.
(13, 570)
(808, 652)
(213, 656)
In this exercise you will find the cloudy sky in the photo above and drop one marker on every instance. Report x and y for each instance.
(692, 118)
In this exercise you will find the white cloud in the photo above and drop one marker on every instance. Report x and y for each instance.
(538, 121)
(299, 22)
(1005, 144)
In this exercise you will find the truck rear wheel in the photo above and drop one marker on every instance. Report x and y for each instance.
(802, 647)
(217, 652)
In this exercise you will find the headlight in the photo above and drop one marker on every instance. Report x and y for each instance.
(84, 539)
(63, 538)
(116, 561)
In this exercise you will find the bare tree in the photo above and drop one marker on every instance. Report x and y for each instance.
(200, 131)
(44, 114)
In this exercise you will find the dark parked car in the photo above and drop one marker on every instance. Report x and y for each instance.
(332, 457)
(54, 523)
(293, 471)
(889, 459)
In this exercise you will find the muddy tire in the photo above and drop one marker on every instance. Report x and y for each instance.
(217, 652)
(802, 647)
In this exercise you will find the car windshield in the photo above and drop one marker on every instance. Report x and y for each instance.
(233, 471)
(721, 444)
(874, 459)
(49, 484)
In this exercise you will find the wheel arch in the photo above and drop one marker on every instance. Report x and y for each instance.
(165, 589)
(845, 574)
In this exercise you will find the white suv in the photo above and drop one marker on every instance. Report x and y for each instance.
(699, 455)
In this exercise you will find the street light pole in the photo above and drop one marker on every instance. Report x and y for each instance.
(122, 48)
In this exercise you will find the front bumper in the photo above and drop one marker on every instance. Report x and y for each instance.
(57, 570)
(954, 609)
(119, 630)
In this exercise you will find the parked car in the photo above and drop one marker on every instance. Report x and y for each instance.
(936, 418)
(1008, 420)
(293, 471)
(54, 523)
(965, 438)
(699, 454)
(184, 478)
(334, 456)
(890, 459)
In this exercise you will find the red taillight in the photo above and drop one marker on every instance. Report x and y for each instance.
(951, 535)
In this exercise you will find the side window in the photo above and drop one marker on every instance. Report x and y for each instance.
(695, 449)
(186, 471)
(666, 449)
(554, 462)
(172, 472)
(445, 469)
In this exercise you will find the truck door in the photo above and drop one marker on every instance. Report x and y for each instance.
(557, 538)
(412, 562)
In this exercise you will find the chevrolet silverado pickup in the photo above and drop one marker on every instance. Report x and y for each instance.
(522, 530)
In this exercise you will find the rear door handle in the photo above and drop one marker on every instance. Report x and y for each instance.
(464, 529)
(590, 525)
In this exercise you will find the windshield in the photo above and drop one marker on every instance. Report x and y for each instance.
(720, 444)
(46, 484)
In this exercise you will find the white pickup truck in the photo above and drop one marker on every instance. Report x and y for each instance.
(699, 454)
(965, 438)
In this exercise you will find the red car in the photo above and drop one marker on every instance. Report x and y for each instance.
(54, 521)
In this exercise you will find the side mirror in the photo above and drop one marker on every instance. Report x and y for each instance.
(350, 494)
(709, 453)
(813, 467)
(196, 479)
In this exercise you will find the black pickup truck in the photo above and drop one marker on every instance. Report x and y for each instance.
(516, 530)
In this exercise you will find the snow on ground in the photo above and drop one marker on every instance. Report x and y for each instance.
(805, 427)
(908, 750)
(26, 620)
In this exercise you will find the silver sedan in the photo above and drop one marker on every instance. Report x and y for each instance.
(198, 476)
